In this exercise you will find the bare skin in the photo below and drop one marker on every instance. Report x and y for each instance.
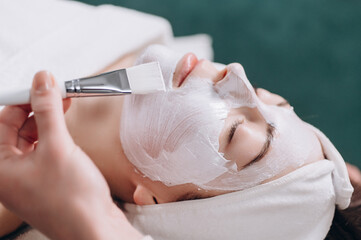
(9, 222)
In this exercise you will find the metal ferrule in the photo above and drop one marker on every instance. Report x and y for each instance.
(111, 83)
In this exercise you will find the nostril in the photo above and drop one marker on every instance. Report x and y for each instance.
(224, 72)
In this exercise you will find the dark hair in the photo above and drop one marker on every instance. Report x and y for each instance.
(346, 224)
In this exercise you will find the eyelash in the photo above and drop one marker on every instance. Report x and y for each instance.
(233, 130)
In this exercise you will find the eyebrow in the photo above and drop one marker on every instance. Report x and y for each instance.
(266, 145)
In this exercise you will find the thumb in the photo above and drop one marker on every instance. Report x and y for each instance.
(46, 102)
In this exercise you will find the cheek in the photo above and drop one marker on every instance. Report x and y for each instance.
(246, 144)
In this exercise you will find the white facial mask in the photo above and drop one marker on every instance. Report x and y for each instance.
(173, 137)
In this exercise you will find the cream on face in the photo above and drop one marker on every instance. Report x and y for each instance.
(173, 137)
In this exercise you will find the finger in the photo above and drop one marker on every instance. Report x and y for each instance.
(11, 120)
(7, 152)
(8, 171)
(26, 107)
(25, 146)
(47, 106)
(28, 133)
(66, 104)
(29, 130)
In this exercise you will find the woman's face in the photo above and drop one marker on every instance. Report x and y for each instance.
(245, 133)
(245, 138)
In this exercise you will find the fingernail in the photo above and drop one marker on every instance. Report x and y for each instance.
(43, 81)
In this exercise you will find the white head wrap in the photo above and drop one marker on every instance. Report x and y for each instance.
(299, 205)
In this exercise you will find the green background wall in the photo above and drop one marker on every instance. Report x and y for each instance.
(308, 51)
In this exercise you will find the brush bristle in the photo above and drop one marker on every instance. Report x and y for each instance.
(145, 78)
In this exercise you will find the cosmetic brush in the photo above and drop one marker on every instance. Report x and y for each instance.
(141, 79)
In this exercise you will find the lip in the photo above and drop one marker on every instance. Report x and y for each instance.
(184, 68)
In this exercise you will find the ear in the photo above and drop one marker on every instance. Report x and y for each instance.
(143, 196)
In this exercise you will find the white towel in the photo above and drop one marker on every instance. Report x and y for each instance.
(36, 235)
(297, 206)
(72, 39)
(68, 38)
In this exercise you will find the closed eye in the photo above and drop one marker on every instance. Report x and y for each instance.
(233, 129)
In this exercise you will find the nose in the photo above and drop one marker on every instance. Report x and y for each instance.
(183, 68)
(220, 76)
(206, 69)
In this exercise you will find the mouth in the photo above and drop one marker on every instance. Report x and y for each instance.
(184, 68)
